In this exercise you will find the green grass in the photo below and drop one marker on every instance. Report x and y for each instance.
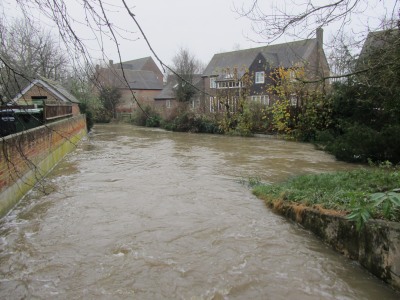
(345, 191)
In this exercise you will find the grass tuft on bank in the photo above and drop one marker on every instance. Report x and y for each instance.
(350, 192)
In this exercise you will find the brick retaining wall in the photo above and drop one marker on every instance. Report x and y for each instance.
(376, 246)
(28, 156)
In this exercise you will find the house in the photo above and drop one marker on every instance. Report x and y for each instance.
(46, 93)
(40, 102)
(139, 78)
(166, 101)
(227, 73)
(377, 48)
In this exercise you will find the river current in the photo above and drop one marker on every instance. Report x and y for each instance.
(139, 213)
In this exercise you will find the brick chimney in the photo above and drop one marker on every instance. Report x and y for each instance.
(320, 50)
(320, 37)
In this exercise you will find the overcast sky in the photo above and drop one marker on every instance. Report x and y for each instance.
(204, 27)
(207, 27)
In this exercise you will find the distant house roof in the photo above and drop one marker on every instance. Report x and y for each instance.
(168, 92)
(134, 79)
(136, 64)
(377, 40)
(137, 74)
(283, 55)
(51, 86)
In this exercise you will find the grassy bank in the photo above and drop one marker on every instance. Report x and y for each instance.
(359, 194)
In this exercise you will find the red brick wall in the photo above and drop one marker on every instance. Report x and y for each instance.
(39, 91)
(36, 91)
(19, 153)
(150, 65)
(145, 97)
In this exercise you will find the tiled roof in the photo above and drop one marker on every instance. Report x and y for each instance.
(135, 79)
(377, 40)
(136, 64)
(61, 90)
(284, 55)
(168, 92)
(52, 86)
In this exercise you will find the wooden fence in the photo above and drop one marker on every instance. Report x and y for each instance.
(56, 111)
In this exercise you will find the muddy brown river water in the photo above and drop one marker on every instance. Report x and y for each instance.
(138, 213)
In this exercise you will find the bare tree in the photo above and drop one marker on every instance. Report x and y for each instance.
(186, 66)
(28, 52)
(301, 17)
(342, 55)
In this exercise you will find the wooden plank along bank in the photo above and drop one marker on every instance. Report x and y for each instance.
(26, 157)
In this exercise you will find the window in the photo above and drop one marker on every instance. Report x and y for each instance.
(292, 75)
(293, 99)
(194, 103)
(168, 104)
(228, 84)
(211, 104)
(228, 76)
(263, 99)
(259, 77)
(213, 84)
(266, 100)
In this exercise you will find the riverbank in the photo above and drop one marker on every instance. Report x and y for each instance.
(29, 155)
(356, 212)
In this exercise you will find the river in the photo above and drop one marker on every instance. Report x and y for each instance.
(139, 213)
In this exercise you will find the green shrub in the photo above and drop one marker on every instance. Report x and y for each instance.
(391, 143)
(188, 121)
(84, 109)
(358, 143)
(153, 121)
(146, 117)
(102, 115)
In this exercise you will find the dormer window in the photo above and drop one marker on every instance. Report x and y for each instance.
(213, 83)
(260, 77)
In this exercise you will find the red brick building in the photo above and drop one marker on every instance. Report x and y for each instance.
(139, 79)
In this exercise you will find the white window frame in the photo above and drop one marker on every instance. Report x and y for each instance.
(168, 104)
(262, 99)
(292, 75)
(212, 104)
(229, 84)
(266, 100)
(293, 99)
(194, 103)
(213, 83)
(259, 77)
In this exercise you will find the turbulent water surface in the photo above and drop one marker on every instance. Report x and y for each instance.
(138, 213)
